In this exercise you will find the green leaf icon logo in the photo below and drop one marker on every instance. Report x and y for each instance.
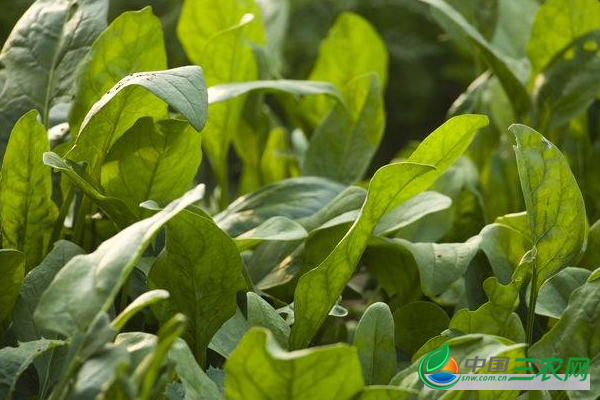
(437, 358)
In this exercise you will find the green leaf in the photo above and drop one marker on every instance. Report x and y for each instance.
(591, 257)
(374, 341)
(226, 58)
(496, 317)
(92, 281)
(98, 373)
(555, 208)
(513, 26)
(416, 323)
(291, 198)
(504, 248)
(395, 269)
(133, 97)
(27, 211)
(217, 16)
(133, 42)
(557, 23)
(228, 91)
(152, 161)
(319, 289)
(441, 264)
(576, 334)
(555, 292)
(274, 229)
(511, 72)
(41, 56)
(197, 384)
(115, 208)
(327, 373)
(569, 84)
(352, 48)
(229, 335)
(34, 285)
(260, 313)
(438, 358)
(209, 274)
(411, 211)
(342, 146)
(12, 267)
(141, 302)
(15, 360)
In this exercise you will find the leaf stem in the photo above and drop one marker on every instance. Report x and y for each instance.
(78, 229)
(532, 302)
(60, 221)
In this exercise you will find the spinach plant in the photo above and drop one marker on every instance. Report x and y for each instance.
(215, 231)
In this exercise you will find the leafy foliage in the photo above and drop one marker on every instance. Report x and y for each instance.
(212, 220)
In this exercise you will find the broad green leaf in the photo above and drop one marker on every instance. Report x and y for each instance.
(440, 264)
(152, 161)
(259, 369)
(555, 208)
(98, 373)
(276, 164)
(352, 48)
(12, 267)
(504, 248)
(217, 16)
(342, 146)
(92, 281)
(513, 26)
(135, 96)
(319, 289)
(555, 292)
(269, 264)
(557, 23)
(41, 56)
(411, 211)
(260, 313)
(591, 257)
(568, 84)
(576, 334)
(395, 269)
(274, 229)
(115, 208)
(229, 335)
(496, 317)
(209, 274)
(35, 283)
(196, 383)
(462, 348)
(133, 42)
(228, 91)
(511, 72)
(23, 324)
(15, 360)
(276, 15)
(291, 198)
(27, 211)
(143, 301)
(226, 58)
(417, 322)
(374, 341)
